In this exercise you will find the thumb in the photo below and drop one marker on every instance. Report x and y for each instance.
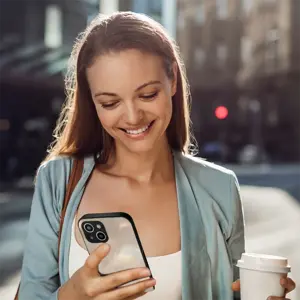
(94, 259)
(236, 286)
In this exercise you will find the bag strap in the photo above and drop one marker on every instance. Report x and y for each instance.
(75, 176)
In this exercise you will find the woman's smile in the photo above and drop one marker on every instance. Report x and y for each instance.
(139, 132)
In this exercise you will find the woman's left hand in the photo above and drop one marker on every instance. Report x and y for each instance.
(287, 283)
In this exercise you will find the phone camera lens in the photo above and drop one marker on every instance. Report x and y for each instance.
(101, 236)
(88, 227)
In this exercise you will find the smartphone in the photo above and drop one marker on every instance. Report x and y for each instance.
(119, 231)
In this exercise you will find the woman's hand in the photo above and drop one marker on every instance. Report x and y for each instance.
(287, 283)
(87, 284)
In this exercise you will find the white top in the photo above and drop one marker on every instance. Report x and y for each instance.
(165, 269)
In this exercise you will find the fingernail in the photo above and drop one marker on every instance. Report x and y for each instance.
(149, 285)
(148, 289)
(151, 282)
(283, 281)
(105, 247)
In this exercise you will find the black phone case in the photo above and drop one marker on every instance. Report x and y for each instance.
(119, 231)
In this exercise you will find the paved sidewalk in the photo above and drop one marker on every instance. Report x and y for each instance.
(8, 291)
(272, 220)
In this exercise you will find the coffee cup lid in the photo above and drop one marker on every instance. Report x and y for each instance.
(264, 262)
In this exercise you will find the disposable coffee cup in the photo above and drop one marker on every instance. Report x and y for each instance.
(260, 275)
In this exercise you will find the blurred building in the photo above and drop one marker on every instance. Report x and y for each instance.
(270, 73)
(152, 8)
(163, 11)
(209, 35)
(242, 59)
(36, 38)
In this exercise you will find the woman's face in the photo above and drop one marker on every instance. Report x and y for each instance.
(133, 98)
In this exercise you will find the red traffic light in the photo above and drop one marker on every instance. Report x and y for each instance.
(221, 112)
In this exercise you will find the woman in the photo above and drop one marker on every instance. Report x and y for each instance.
(127, 116)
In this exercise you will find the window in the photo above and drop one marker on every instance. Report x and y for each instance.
(200, 13)
(92, 2)
(222, 53)
(272, 39)
(222, 9)
(155, 6)
(108, 7)
(152, 8)
(155, 9)
(139, 6)
(246, 49)
(199, 56)
(271, 53)
(247, 5)
(53, 26)
(272, 35)
(92, 8)
(181, 20)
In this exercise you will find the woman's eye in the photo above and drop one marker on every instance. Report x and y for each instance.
(109, 105)
(149, 96)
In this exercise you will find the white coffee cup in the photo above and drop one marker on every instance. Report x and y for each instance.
(260, 275)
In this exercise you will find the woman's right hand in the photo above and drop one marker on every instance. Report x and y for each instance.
(87, 284)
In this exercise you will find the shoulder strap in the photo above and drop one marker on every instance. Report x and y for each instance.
(75, 176)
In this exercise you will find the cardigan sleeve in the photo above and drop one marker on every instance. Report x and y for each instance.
(39, 276)
(236, 241)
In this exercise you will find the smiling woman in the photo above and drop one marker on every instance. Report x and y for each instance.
(126, 122)
(123, 67)
(137, 108)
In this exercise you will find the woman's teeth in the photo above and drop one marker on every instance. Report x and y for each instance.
(138, 131)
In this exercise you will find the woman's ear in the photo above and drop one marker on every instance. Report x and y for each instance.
(174, 80)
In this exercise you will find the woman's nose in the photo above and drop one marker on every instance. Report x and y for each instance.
(133, 114)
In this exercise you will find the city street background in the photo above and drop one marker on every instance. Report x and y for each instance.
(243, 64)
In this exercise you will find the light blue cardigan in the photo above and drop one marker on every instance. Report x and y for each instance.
(211, 224)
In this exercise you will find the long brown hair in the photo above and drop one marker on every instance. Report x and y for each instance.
(79, 131)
